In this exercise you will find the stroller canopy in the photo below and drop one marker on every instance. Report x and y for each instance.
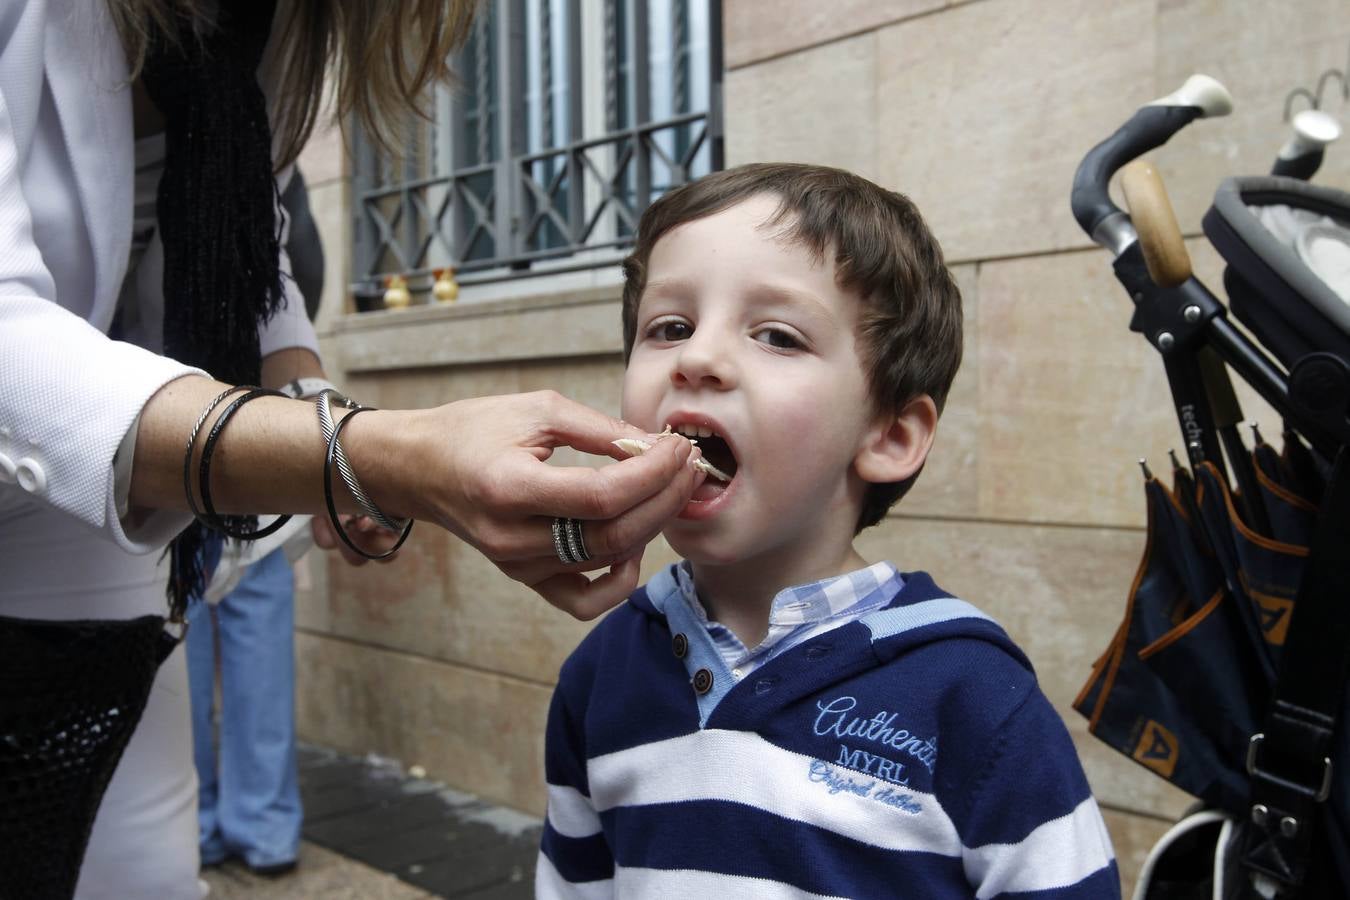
(1287, 245)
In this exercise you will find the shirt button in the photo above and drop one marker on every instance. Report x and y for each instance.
(680, 644)
(703, 681)
(30, 475)
(735, 673)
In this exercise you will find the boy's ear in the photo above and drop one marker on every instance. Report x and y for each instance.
(897, 444)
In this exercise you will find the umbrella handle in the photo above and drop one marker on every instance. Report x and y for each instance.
(1151, 212)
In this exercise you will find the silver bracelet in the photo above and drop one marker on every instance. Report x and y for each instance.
(192, 441)
(331, 395)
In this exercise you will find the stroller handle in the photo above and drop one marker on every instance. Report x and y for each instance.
(1151, 126)
(1302, 155)
(1159, 235)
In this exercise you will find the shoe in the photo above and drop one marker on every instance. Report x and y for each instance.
(273, 869)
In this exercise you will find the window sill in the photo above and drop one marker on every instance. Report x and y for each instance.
(490, 323)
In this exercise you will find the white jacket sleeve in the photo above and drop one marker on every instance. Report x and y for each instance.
(68, 394)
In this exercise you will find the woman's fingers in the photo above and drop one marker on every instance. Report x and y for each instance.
(584, 598)
(572, 424)
(624, 534)
(324, 538)
(634, 524)
(533, 570)
(363, 531)
(581, 492)
(479, 468)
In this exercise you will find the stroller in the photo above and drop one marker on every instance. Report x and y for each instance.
(1227, 674)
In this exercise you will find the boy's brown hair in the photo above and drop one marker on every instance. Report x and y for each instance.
(910, 324)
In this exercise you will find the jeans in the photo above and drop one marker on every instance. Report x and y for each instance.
(249, 802)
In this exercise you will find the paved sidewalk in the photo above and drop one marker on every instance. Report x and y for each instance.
(321, 873)
(372, 831)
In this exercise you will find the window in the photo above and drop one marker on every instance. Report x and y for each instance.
(569, 118)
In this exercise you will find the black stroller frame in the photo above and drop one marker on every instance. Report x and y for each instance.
(1289, 765)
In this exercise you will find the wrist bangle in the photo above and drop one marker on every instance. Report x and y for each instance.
(344, 467)
(209, 516)
(330, 459)
(192, 441)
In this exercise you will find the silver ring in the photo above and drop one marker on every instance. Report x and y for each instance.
(560, 543)
(575, 544)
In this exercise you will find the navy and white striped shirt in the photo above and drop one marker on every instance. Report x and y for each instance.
(908, 752)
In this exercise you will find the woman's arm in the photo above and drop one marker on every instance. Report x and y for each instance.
(475, 467)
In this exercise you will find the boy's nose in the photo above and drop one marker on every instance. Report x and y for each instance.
(704, 361)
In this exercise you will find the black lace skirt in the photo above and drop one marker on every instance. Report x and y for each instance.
(71, 693)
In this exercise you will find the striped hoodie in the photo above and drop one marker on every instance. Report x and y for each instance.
(908, 753)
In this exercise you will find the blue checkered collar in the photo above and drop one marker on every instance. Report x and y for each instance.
(848, 595)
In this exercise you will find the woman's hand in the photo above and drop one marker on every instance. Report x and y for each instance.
(478, 468)
(363, 531)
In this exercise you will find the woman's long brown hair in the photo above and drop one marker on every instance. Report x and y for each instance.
(383, 54)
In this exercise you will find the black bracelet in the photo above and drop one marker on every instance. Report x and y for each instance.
(209, 516)
(328, 461)
(192, 441)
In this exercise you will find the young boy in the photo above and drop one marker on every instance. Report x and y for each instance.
(775, 717)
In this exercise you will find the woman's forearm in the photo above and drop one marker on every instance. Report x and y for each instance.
(268, 459)
(476, 467)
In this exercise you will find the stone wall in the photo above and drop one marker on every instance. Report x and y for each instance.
(981, 111)
(1032, 505)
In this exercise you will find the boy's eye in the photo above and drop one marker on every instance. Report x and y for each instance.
(777, 338)
(669, 330)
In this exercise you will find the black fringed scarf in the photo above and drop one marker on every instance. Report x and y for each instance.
(216, 209)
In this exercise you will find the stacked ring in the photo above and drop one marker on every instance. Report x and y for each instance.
(567, 541)
(560, 542)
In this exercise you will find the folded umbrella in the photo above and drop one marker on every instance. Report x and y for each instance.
(1207, 657)
(1188, 676)
(1291, 511)
(1173, 604)
(1264, 572)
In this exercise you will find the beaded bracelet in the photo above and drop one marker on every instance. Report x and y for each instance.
(208, 516)
(330, 459)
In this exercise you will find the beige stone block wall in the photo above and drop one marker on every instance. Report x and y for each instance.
(814, 105)
(476, 729)
(1261, 52)
(757, 30)
(1031, 504)
(985, 110)
(981, 111)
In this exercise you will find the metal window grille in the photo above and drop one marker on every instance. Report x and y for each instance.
(568, 119)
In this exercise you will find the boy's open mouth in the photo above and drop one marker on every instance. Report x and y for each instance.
(719, 461)
(717, 452)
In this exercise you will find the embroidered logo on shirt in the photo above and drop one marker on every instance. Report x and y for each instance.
(841, 781)
(834, 718)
